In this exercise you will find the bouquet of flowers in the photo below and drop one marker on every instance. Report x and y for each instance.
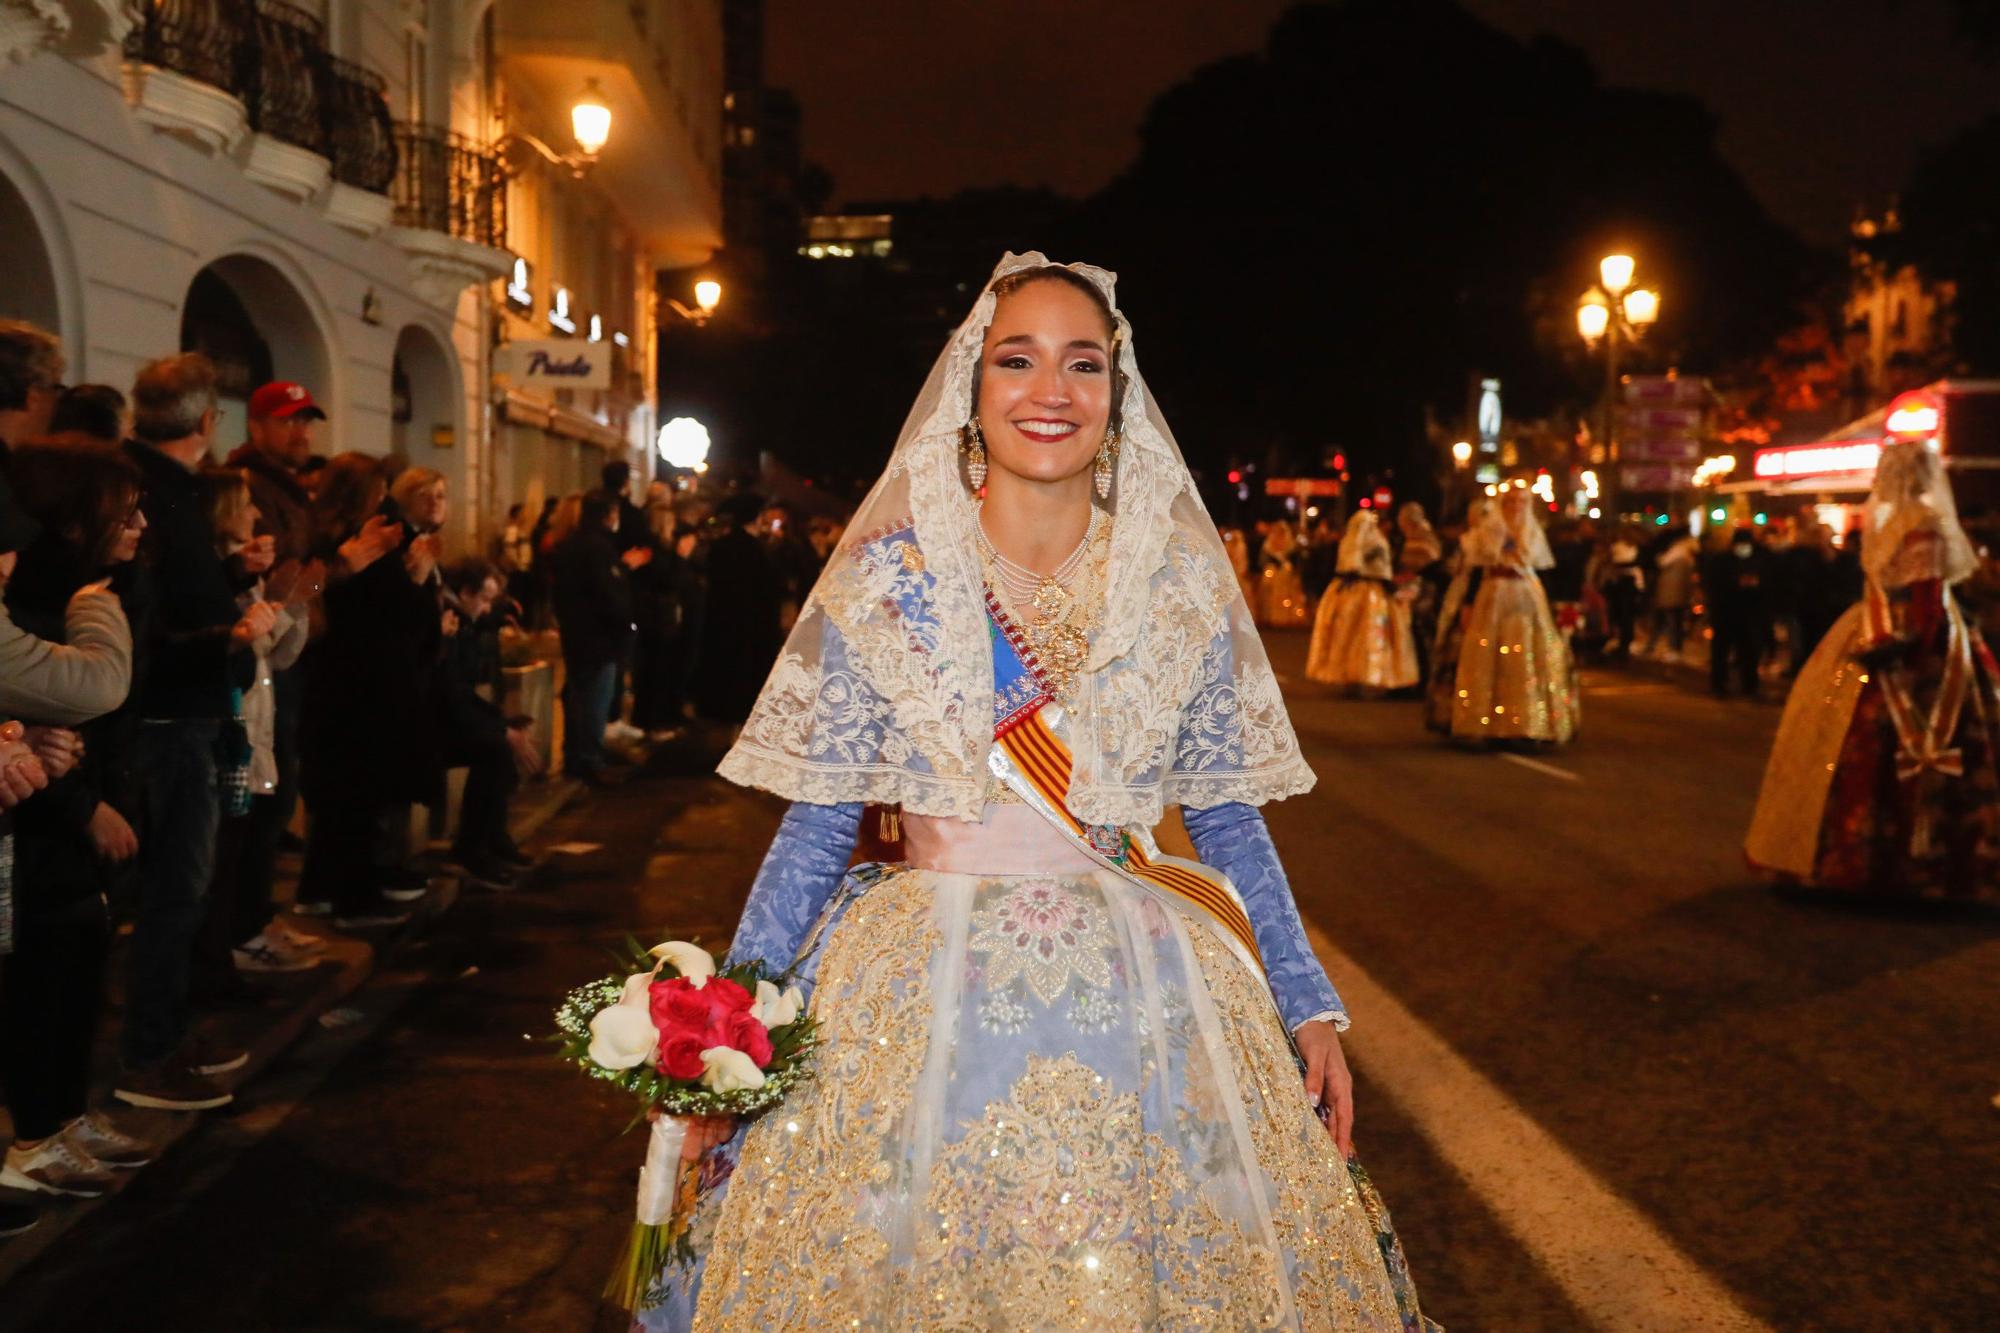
(686, 1038)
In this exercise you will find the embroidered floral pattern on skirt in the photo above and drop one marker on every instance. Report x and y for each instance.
(1043, 1102)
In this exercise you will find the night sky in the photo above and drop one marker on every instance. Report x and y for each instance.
(910, 97)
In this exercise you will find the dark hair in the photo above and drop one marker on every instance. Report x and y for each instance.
(30, 358)
(471, 574)
(1028, 277)
(346, 497)
(616, 476)
(597, 507)
(85, 492)
(171, 395)
(96, 410)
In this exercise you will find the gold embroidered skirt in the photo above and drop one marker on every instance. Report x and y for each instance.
(1361, 637)
(1042, 1101)
(1515, 679)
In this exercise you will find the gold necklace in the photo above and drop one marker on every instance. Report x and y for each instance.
(1060, 608)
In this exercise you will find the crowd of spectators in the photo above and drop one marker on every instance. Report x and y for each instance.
(201, 655)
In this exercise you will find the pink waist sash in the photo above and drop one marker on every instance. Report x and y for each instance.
(1010, 840)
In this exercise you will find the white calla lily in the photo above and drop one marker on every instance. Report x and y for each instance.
(690, 960)
(623, 1037)
(638, 991)
(774, 1009)
(726, 1069)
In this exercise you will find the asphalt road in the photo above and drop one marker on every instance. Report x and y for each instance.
(1606, 1079)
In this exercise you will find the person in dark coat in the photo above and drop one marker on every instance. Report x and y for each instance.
(196, 653)
(593, 604)
(367, 736)
(740, 630)
(664, 605)
(1736, 581)
(70, 839)
(476, 735)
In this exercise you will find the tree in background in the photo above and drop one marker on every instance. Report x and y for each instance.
(1951, 226)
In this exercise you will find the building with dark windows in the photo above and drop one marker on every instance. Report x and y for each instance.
(385, 200)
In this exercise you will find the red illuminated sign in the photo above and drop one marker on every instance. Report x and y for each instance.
(1818, 460)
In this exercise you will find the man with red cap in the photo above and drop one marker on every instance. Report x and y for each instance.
(280, 445)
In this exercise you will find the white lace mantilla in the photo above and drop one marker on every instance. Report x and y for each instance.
(884, 692)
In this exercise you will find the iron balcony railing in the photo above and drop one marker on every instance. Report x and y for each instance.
(271, 55)
(202, 39)
(360, 135)
(285, 75)
(449, 183)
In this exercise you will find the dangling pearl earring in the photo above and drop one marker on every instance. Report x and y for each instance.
(1106, 453)
(975, 456)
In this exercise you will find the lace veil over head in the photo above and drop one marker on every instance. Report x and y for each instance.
(1363, 548)
(1531, 544)
(884, 691)
(1912, 495)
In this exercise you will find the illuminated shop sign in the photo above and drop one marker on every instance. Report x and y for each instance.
(1818, 460)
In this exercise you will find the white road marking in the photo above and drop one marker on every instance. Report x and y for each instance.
(1615, 1267)
(1541, 767)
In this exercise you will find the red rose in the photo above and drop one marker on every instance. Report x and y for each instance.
(677, 1004)
(726, 997)
(680, 1055)
(747, 1035)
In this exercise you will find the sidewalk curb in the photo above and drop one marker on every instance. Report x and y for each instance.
(355, 962)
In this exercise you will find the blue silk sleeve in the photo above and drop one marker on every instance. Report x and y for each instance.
(807, 860)
(1232, 838)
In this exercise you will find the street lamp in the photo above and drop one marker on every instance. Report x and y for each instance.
(1615, 313)
(1461, 453)
(683, 443)
(590, 126)
(707, 296)
(590, 120)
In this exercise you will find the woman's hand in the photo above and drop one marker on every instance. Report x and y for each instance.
(59, 748)
(111, 835)
(1328, 1084)
(21, 774)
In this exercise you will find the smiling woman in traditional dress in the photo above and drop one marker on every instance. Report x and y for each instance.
(1066, 1081)
(1882, 779)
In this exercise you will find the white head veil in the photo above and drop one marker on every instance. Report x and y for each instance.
(1912, 495)
(1531, 544)
(1485, 533)
(884, 691)
(1363, 548)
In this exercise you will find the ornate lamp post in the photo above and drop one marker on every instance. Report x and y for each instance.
(1614, 313)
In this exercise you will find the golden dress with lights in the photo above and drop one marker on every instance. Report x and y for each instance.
(1515, 679)
(1281, 592)
(1362, 635)
(1055, 1087)
(1882, 779)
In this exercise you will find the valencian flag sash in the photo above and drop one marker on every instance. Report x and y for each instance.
(1035, 763)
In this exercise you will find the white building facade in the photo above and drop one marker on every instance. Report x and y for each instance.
(361, 195)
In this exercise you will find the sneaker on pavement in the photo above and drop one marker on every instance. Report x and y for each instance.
(283, 932)
(105, 1143)
(661, 735)
(170, 1086)
(514, 859)
(16, 1218)
(488, 873)
(210, 1059)
(260, 955)
(399, 893)
(55, 1166)
(313, 907)
(623, 732)
(367, 915)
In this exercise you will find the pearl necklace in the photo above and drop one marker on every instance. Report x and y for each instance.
(1058, 624)
(1047, 593)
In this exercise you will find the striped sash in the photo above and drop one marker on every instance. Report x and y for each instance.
(1037, 765)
